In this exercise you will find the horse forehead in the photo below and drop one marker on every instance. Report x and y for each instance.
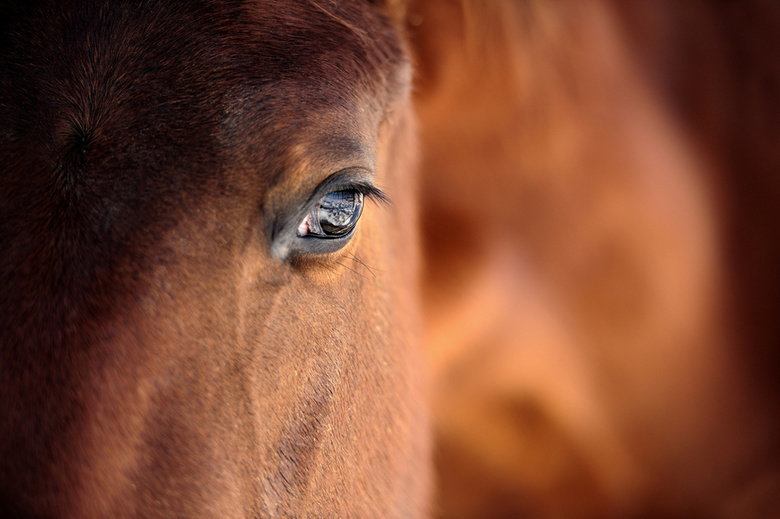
(211, 58)
(100, 96)
(114, 117)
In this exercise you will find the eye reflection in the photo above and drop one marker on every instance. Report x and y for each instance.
(334, 216)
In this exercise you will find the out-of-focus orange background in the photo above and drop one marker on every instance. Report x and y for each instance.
(600, 209)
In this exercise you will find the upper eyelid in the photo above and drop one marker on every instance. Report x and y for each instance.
(369, 190)
(354, 178)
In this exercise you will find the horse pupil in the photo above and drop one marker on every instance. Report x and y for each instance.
(339, 212)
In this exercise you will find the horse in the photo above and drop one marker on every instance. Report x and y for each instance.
(209, 260)
(600, 228)
(368, 258)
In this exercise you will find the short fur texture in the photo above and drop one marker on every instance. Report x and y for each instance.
(599, 230)
(155, 359)
(607, 344)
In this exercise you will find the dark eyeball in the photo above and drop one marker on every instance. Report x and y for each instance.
(334, 216)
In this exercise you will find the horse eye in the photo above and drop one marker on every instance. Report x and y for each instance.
(334, 216)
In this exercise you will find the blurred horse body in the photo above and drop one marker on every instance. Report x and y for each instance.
(598, 223)
(607, 343)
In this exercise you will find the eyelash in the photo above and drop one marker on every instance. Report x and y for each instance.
(369, 191)
(288, 242)
(337, 213)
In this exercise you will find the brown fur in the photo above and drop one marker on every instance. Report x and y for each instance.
(156, 359)
(600, 215)
(599, 228)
